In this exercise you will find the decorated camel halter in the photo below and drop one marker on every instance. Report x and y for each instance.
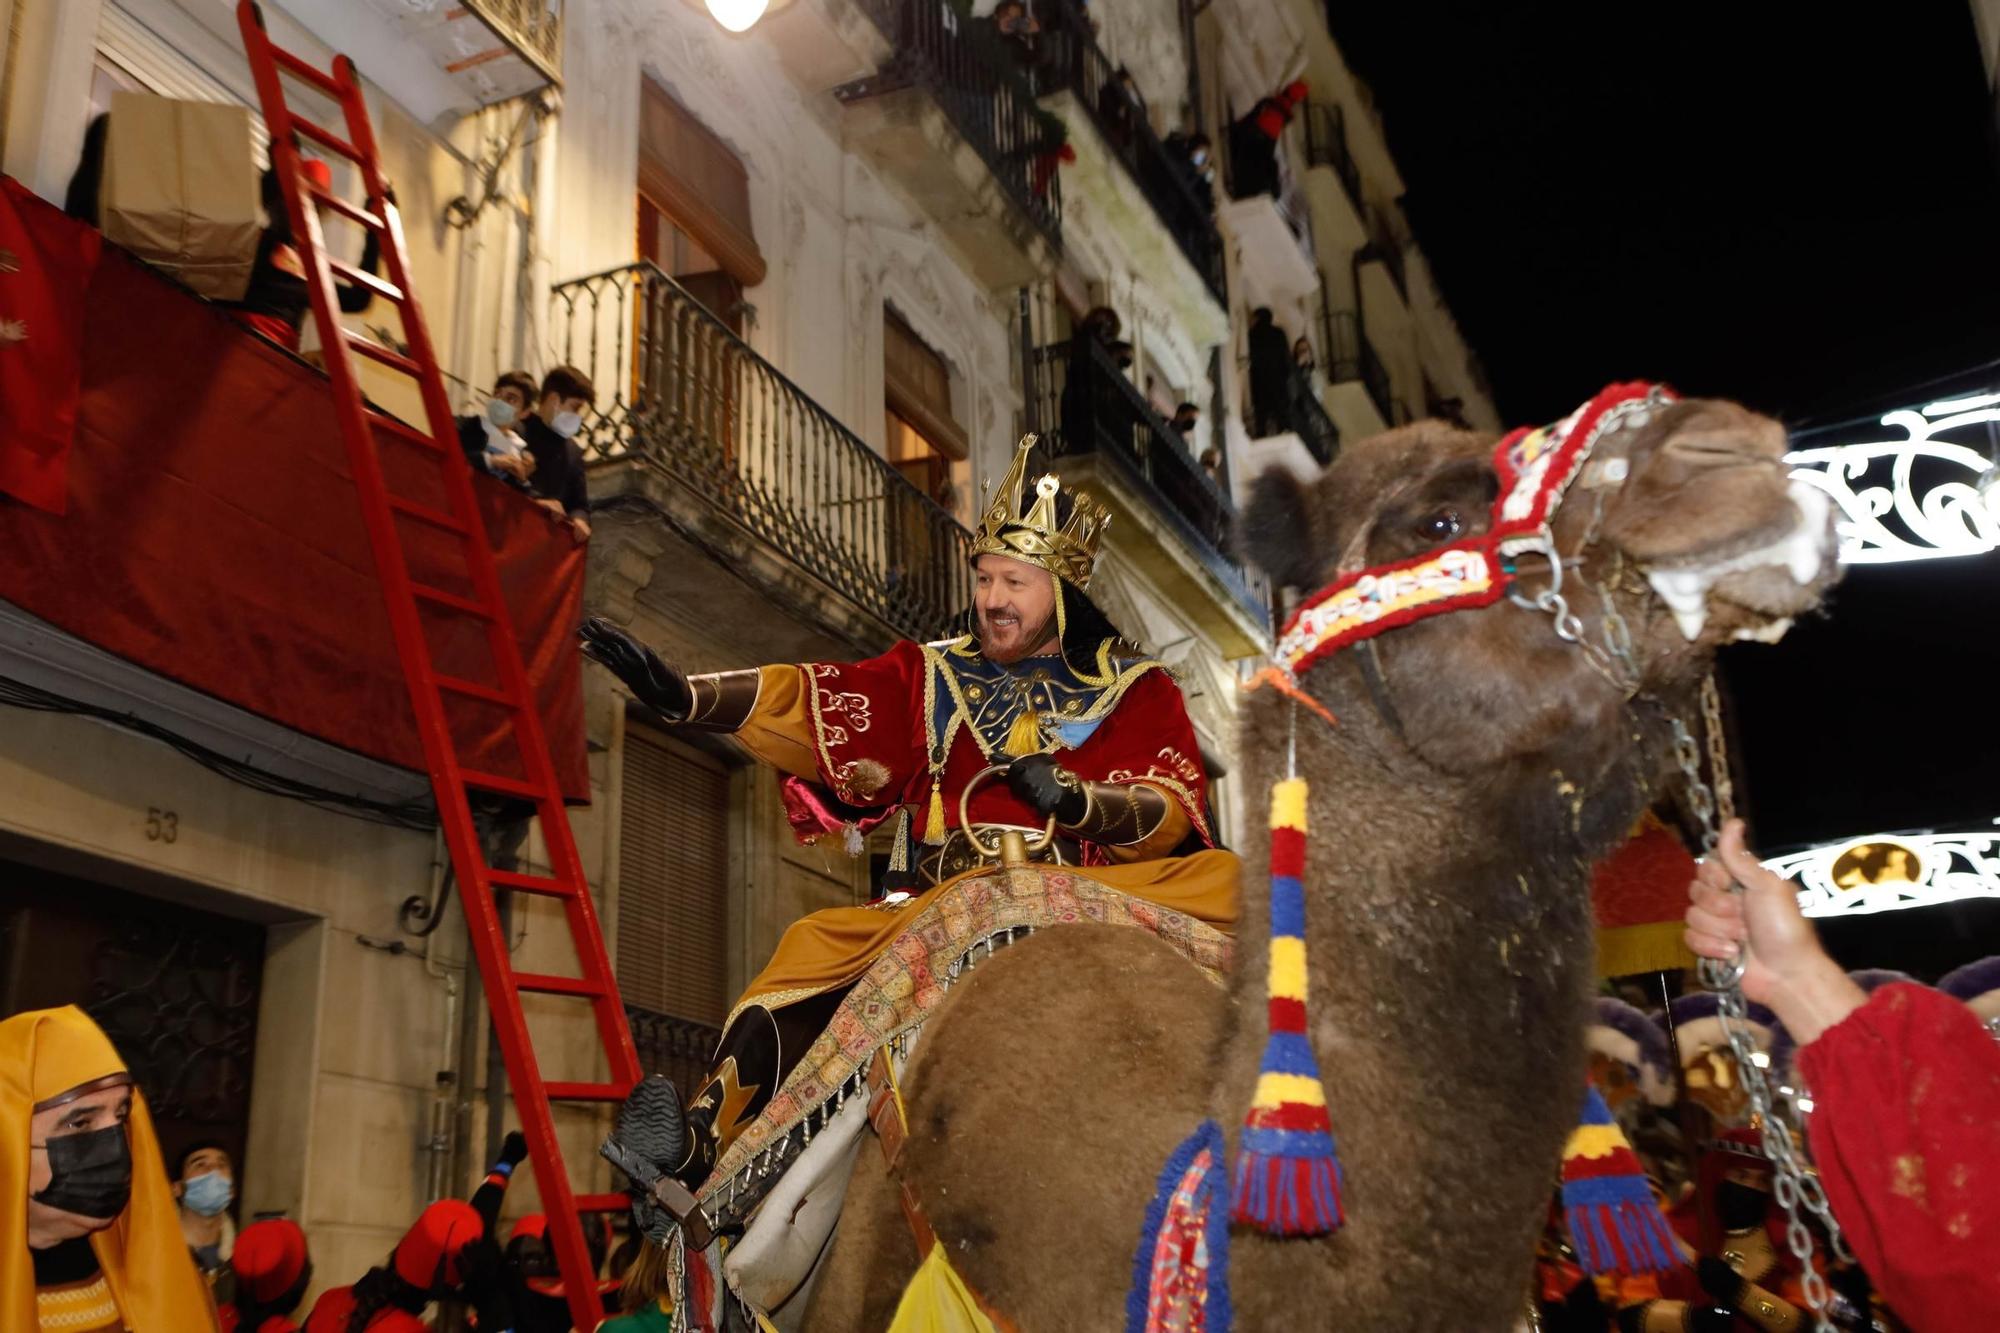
(1536, 468)
(1287, 1178)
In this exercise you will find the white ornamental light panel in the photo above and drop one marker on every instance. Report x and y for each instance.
(1889, 871)
(1932, 493)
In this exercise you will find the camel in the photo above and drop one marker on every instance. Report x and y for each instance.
(1479, 766)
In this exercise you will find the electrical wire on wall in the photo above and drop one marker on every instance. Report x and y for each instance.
(411, 814)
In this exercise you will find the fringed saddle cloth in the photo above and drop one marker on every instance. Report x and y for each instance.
(906, 985)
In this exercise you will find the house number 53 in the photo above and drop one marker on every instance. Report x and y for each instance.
(162, 825)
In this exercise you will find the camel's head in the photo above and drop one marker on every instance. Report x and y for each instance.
(1680, 533)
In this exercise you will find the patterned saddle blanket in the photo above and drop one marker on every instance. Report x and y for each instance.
(959, 929)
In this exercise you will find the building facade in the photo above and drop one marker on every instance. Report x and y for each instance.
(823, 274)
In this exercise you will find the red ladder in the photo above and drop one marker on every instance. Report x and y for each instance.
(409, 602)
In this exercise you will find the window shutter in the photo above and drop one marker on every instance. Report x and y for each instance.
(673, 886)
(698, 182)
(917, 384)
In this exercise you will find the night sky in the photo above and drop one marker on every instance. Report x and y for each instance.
(1768, 202)
(1773, 203)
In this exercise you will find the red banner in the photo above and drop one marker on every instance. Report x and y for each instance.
(46, 260)
(214, 537)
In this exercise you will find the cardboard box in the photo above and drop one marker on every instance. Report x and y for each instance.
(180, 190)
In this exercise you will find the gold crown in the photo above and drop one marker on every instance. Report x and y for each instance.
(1023, 526)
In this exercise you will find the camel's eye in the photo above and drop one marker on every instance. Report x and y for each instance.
(1440, 525)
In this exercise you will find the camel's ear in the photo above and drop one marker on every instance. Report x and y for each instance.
(1275, 530)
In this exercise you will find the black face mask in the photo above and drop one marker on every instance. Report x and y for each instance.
(90, 1173)
(1740, 1205)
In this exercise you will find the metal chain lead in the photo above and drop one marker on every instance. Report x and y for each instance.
(1793, 1182)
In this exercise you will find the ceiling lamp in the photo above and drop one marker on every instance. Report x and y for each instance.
(737, 15)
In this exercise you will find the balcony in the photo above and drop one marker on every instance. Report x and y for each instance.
(1274, 261)
(704, 433)
(1295, 432)
(946, 95)
(1382, 271)
(1079, 82)
(489, 50)
(680, 1048)
(1358, 394)
(1333, 181)
(1168, 515)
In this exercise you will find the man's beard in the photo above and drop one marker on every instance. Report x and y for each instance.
(1031, 642)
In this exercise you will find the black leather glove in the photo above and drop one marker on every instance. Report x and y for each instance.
(514, 1148)
(1049, 787)
(483, 1277)
(1719, 1280)
(660, 687)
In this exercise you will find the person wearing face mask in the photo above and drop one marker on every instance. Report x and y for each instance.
(550, 429)
(1190, 155)
(490, 440)
(89, 1237)
(205, 1184)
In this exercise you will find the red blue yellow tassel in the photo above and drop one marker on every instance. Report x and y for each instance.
(1615, 1223)
(1287, 1172)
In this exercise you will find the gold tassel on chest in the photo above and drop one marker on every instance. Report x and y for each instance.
(1025, 735)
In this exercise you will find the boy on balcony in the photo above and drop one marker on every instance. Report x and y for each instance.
(489, 439)
(550, 430)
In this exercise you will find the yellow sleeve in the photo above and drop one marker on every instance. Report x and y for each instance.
(778, 732)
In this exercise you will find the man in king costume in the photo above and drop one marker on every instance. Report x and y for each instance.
(1092, 734)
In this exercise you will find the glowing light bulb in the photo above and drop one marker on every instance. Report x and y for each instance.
(1759, 1059)
(1805, 1105)
(737, 15)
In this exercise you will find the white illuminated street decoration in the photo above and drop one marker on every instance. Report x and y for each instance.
(1889, 871)
(1921, 497)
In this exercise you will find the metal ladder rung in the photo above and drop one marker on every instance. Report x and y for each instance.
(375, 351)
(436, 518)
(327, 138)
(352, 212)
(472, 689)
(543, 983)
(439, 597)
(318, 78)
(361, 277)
(504, 786)
(544, 885)
(407, 433)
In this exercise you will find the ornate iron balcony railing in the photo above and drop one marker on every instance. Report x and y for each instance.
(1350, 356)
(532, 27)
(692, 399)
(1326, 146)
(1087, 406)
(958, 61)
(680, 1048)
(1307, 418)
(1387, 242)
(1075, 62)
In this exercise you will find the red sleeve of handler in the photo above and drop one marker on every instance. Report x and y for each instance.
(1906, 1096)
